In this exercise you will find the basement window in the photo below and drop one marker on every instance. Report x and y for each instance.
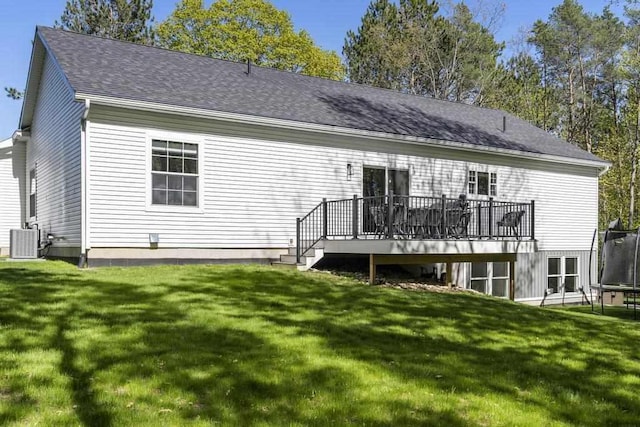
(491, 278)
(174, 173)
(562, 274)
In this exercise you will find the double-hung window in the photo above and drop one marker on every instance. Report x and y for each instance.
(174, 173)
(483, 183)
(562, 274)
(490, 278)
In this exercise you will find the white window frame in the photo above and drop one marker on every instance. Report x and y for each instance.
(176, 137)
(490, 277)
(562, 275)
(473, 180)
(33, 191)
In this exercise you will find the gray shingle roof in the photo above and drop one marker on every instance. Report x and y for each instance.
(98, 66)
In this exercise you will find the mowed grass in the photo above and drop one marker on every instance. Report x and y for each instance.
(249, 345)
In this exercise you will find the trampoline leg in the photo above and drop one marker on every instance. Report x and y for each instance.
(601, 301)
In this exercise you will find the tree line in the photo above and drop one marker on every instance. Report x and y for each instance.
(576, 75)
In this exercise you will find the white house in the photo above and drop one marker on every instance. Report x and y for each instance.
(137, 154)
(11, 165)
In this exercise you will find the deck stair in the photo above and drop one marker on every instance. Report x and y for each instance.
(307, 261)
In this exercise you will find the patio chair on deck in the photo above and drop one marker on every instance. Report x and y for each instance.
(400, 220)
(378, 215)
(433, 221)
(458, 223)
(512, 220)
(417, 222)
(458, 216)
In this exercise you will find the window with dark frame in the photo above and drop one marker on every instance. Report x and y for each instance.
(174, 173)
(483, 183)
(398, 182)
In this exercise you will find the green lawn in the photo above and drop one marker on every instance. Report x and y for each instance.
(238, 345)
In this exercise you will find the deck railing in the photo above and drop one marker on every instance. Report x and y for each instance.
(414, 217)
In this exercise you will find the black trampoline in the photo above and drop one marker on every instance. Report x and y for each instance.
(618, 264)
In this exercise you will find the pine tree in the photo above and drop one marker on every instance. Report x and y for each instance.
(410, 47)
(127, 20)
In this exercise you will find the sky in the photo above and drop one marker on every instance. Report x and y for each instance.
(326, 20)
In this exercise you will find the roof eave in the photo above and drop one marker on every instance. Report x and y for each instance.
(334, 130)
(36, 67)
(36, 64)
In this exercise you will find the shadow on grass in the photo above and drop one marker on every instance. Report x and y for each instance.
(610, 312)
(242, 345)
(89, 410)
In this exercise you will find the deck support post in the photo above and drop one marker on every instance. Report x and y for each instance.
(372, 269)
(449, 274)
(512, 280)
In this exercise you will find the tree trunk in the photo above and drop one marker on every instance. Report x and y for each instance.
(570, 135)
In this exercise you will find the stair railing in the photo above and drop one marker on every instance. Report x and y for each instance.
(310, 229)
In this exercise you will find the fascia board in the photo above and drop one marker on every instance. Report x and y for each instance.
(333, 130)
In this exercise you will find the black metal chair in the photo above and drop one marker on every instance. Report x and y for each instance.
(512, 221)
(378, 216)
(458, 223)
(399, 220)
(457, 217)
(433, 221)
(417, 222)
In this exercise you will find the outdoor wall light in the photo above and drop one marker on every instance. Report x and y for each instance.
(349, 171)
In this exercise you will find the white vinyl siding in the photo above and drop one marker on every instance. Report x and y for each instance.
(258, 180)
(55, 149)
(12, 161)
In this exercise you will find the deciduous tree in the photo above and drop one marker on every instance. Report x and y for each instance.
(241, 30)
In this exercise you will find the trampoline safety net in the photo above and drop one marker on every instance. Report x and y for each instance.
(619, 258)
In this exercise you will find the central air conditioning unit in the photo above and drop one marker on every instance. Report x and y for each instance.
(23, 244)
